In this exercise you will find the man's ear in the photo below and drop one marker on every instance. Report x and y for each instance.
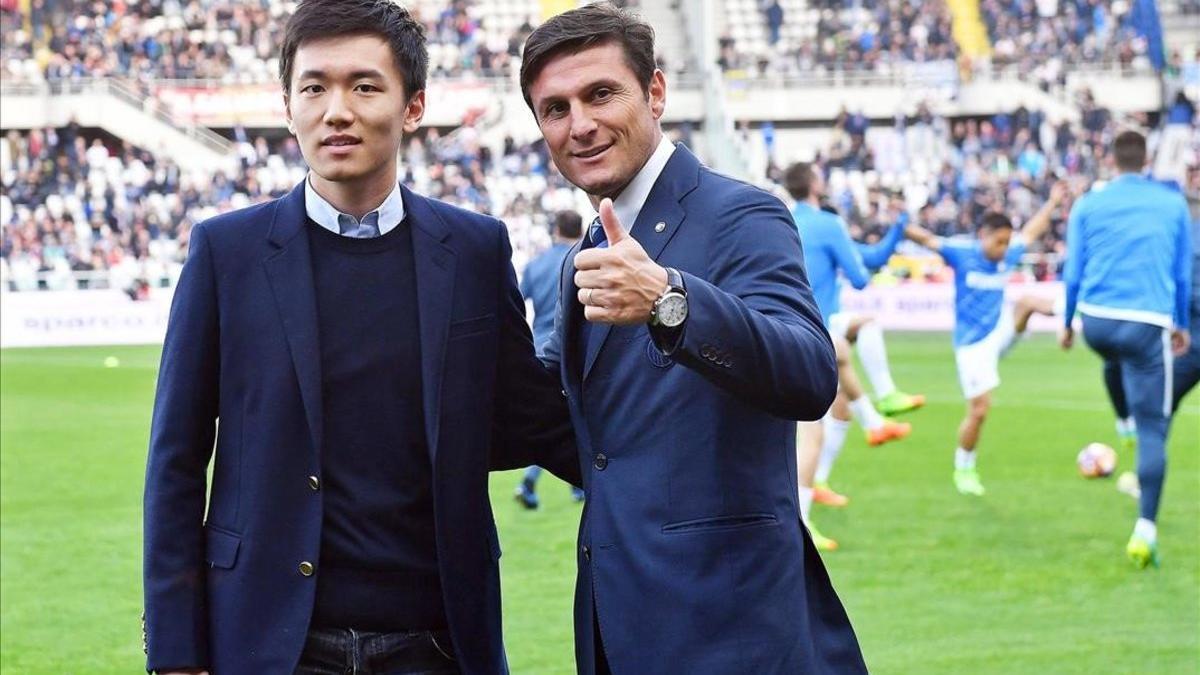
(287, 114)
(414, 112)
(658, 93)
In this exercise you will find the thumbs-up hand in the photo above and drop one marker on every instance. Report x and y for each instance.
(620, 283)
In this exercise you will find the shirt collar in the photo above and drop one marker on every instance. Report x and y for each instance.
(390, 212)
(628, 205)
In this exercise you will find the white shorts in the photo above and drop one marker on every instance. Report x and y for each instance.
(1060, 304)
(839, 324)
(979, 362)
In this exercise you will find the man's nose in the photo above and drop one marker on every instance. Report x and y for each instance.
(338, 111)
(582, 122)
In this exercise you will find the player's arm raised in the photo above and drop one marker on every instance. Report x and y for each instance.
(923, 237)
(1040, 222)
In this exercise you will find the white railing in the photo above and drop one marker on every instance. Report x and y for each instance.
(124, 92)
(84, 280)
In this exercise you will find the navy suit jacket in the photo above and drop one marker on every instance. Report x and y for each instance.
(224, 590)
(692, 554)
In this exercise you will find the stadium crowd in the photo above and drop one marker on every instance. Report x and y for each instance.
(236, 42)
(1037, 38)
(218, 40)
(77, 203)
(1058, 34)
(877, 35)
(74, 204)
(952, 172)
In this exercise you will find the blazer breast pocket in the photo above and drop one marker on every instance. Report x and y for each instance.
(473, 326)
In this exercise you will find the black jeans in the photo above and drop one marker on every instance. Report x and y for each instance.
(336, 651)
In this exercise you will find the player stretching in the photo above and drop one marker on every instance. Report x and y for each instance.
(982, 330)
(828, 249)
(1128, 272)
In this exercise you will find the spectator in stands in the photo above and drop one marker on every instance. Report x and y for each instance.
(773, 13)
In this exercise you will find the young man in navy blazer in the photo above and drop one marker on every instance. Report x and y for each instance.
(365, 351)
(688, 346)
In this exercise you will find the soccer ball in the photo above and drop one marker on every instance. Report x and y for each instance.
(1096, 460)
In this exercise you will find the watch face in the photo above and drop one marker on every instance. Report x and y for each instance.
(672, 310)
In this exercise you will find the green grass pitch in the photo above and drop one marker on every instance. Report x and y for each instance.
(1031, 578)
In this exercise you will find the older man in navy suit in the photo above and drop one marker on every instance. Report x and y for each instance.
(365, 351)
(688, 346)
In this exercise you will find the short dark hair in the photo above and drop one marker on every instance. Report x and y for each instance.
(798, 180)
(586, 27)
(568, 224)
(1129, 149)
(995, 221)
(318, 19)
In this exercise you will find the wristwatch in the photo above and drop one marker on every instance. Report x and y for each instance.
(670, 310)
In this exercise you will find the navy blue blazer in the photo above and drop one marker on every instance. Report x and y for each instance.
(692, 553)
(224, 590)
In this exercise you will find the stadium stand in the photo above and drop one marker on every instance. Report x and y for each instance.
(234, 42)
(93, 213)
(88, 207)
(825, 36)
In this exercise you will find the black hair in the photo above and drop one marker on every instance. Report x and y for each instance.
(1129, 149)
(995, 221)
(318, 19)
(589, 26)
(568, 224)
(798, 180)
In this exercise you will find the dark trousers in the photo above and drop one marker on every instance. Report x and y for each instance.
(1187, 367)
(336, 651)
(1142, 352)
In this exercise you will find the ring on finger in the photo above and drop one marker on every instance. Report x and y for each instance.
(589, 295)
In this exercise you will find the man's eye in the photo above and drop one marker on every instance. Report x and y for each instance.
(368, 87)
(310, 89)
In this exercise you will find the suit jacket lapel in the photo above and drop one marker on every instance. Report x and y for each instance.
(678, 178)
(290, 273)
(572, 316)
(435, 264)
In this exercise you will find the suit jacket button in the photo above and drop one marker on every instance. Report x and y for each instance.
(314, 483)
(587, 553)
(600, 462)
(306, 568)
(563, 392)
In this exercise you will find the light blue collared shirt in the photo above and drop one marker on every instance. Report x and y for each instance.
(389, 213)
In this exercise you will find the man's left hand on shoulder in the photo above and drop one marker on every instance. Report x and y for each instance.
(620, 283)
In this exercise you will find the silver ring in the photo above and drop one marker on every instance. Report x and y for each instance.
(589, 296)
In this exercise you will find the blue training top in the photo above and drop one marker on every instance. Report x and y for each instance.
(978, 287)
(1129, 254)
(828, 248)
(540, 284)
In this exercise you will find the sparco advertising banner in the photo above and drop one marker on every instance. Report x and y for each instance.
(921, 306)
(63, 318)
